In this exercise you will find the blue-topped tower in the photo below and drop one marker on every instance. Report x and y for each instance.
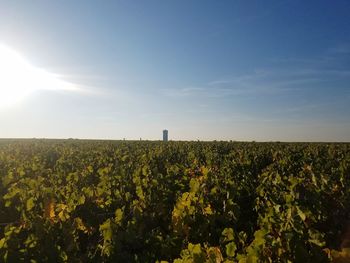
(165, 135)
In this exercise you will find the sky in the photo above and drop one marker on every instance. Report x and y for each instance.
(204, 70)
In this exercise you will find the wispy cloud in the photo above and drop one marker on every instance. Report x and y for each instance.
(283, 75)
(340, 49)
(258, 83)
(182, 92)
(305, 107)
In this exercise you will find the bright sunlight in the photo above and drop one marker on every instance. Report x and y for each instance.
(18, 78)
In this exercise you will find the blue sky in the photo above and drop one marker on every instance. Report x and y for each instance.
(224, 70)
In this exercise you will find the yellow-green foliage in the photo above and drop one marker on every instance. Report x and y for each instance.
(117, 201)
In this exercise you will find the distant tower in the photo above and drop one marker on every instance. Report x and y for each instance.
(165, 135)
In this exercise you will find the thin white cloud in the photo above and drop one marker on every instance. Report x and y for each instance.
(277, 79)
(253, 84)
(340, 49)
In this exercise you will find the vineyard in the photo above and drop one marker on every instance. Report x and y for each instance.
(143, 201)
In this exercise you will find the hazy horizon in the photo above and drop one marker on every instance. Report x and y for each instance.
(204, 70)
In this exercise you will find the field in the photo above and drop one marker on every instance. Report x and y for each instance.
(121, 201)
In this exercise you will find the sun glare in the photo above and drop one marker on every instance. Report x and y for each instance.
(18, 78)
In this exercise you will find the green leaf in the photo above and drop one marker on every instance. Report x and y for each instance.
(81, 200)
(90, 168)
(228, 234)
(145, 170)
(252, 259)
(2, 242)
(30, 204)
(231, 249)
(259, 237)
(316, 238)
(195, 248)
(118, 216)
(106, 229)
(301, 214)
(139, 192)
(194, 185)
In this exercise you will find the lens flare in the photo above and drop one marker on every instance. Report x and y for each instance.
(18, 78)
